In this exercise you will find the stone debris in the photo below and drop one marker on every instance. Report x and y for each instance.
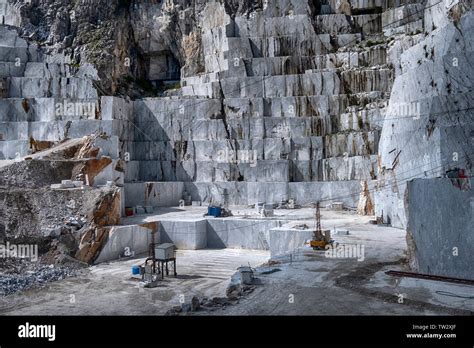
(21, 275)
(204, 305)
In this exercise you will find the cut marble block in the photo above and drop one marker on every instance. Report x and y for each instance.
(362, 120)
(349, 168)
(186, 234)
(14, 131)
(351, 144)
(11, 69)
(292, 65)
(20, 54)
(288, 45)
(136, 238)
(273, 26)
(45, 70)
(156, 194)
(162, 110)
(359, 81)
(239, 234)
(13, 149)
(47, 109)
(74, 88)
(322, 83)
(339, 23)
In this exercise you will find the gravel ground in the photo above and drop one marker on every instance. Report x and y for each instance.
(19, 275)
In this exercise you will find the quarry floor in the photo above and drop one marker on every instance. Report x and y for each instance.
(329, 218)
(305, 282)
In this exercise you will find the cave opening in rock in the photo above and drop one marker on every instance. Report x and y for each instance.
(164, 70)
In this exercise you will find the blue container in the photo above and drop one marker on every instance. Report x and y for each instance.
(135, 270)
(214, 211)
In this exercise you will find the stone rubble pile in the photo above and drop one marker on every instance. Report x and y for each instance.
(26, 275)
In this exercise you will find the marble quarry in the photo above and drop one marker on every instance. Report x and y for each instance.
(329, 101)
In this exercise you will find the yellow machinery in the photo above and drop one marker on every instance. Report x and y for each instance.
(318, 244)
(320, 238)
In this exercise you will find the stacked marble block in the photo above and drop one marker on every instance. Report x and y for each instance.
(404, 19)
(168, 194)
(9, 13)
(15, 54)
(52, 102)
(273, 104)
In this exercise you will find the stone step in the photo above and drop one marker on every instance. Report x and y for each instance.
(256, 47)
(59, 130)
(323, 83)
(249, 128)
(302, 25)
(362, 120)
(176, 131)
(257, 22)
(13, 19)
(181, 109)
(301, 106)
(278, 8)
(310, 147)
(163, 111)
(351, 144)
(199, 79)
(11, 69)
(10, 13)
(367, 80)
(246, 118)
(282, 46)
(342, 24)
(291, 65)
(206, 90)
(49, 70)
(263, 171)
(13, 48)
(271, 148)
(332, 169)
(75, 88)
(349, 168)
(47, 109)
(225, 150)
(366, 6)
(14, 149)
(166, 194)
(19, 54)
(319, 82)
(404, 19)
(10, 38)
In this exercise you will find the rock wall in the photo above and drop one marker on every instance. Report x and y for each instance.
(428, 127)
(46, 101)
(285, 94)
(78, 32)
(439, 231)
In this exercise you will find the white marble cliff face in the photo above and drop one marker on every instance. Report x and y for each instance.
(428, 126)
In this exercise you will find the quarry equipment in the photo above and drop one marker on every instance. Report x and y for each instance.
(157, 262)
(214, 211)
(165, 253)
(321, 239)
